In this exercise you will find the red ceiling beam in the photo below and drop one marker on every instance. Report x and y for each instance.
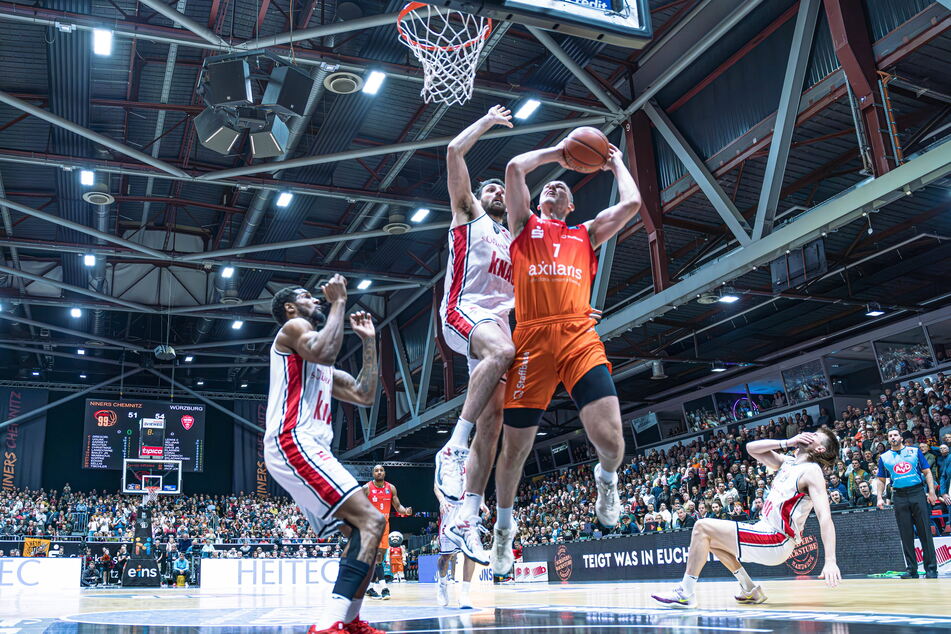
(637, 134)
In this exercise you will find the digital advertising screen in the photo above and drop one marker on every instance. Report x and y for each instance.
(133, 428)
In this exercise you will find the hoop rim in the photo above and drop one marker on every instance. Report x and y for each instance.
(413, 6)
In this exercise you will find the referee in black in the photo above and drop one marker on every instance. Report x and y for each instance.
(908, 470)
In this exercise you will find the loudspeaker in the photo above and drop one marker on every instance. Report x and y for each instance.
(287, 91)
(270, 141)
(227, 83)
(215, 132)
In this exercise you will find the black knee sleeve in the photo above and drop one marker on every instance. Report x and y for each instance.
(522, 417)
(596, 383)
(353, 543)
(350, 577)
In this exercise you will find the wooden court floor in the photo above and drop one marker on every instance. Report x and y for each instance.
(858, 605)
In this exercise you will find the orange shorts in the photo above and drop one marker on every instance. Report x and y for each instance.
(385, 540)
(396, 567)
(548, 352)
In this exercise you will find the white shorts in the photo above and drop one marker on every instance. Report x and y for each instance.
(760, 543)
(446, 547)
(459, 334)
(313, 476)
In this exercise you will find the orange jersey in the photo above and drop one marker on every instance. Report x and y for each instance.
(553, 268)
(381, 497)
(396, 555)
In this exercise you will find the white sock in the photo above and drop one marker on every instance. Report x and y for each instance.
(610, 477)
(383, 584)
(443, 580)
(465, 588)
(354, 611)
(460, 433)
(471, 505)
(744, 578)
(504, 517)
(688, 585)
(337, 609)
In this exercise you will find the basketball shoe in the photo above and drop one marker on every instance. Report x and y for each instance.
(373, 594)
(465, 534)
(608, 504)
(753, 597)
(442, 593)
(451, 471)
(339, 626)
(357, 626)
(465, 601)
(675, 599)
(502, 559)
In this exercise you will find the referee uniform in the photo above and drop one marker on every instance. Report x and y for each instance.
(906, 469)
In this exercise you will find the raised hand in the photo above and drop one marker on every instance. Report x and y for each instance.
(335, 289)
(804, 439)
(500, 115)
(615, 159)
(362, 325)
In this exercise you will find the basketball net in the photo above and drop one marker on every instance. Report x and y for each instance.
(151, 495)
(448, 44)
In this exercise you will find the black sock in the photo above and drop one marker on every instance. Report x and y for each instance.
(350, 577)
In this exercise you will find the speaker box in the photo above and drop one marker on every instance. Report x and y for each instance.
(215, 132)
(287, 91)
(227, 83)
(271, 141)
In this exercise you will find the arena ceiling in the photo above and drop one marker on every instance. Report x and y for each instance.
(710, 82)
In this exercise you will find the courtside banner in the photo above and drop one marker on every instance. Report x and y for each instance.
(254, 574)
(664, 555)
(942, 550)
(39, 574)
(530, 572)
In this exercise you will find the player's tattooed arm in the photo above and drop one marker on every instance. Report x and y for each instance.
(460, 187)
(360, 390)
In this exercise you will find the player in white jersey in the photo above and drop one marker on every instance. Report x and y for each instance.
(299, 433)
(798, 487)
(475, 322)
(447, 551)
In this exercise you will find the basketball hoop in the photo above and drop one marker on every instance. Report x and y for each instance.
(448, 44)
(151, 495)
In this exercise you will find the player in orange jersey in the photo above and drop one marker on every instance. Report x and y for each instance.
(383, 496)
(553, 269)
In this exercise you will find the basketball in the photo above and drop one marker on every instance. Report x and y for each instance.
(587, 149)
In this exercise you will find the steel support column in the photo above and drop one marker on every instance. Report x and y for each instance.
(789, 99)
(244, 422)
(426, 370)
(445, 354)
(643, 165)
(388, 377)
(853, 47)
(402, 362)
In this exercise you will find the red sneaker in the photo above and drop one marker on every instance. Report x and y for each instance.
(356, 626)
(339, 626)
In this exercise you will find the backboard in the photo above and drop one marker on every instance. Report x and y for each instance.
(619, 22)
(139, 474)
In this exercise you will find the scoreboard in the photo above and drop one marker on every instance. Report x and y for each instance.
(114, 430)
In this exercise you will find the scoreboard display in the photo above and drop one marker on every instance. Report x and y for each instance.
(114, 430)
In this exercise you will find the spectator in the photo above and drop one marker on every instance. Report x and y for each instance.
(836, 485)
(91, 577)
(837, 502)
(683, 521)
(865, 498)
(180, 568)
(737, 514)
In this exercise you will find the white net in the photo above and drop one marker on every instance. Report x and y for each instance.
(151, 495)
(448, 44)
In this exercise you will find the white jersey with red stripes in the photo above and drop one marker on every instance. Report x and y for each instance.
(786, 507)
(298, 401)
(479, 275)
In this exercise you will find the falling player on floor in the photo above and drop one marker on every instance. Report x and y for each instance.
(383, 496)
(475, 323)
(553, 268)
(299, 434)
(798, 487)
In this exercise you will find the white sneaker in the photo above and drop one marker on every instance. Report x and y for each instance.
(451, 471)
(753, 597)
(502, 559)
(465, 602)
(675, 599)
(465, 534)
(608, 504)
(442, 594)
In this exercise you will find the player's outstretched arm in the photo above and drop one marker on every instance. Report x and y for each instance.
(319, 346)
(614, 218)
(400, 509)
(518, 199)
(815, 484)
(360, 390)
(460, 188)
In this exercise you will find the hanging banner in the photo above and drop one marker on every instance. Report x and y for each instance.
(33, 547)
(22, 442)
(250, 474)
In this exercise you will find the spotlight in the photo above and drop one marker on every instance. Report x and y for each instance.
(364, 284)
(442, 431)
(227, 272)
(75, 312)
(102, 42)
(89, 259)
(542, 433)
(718, 367)
(80, 351)
(87, 177)
(244, 385)
(374, 82)
(35, 373)
(528, 109)
(82, 376)
(728, 295)
(189, 359)
(420, 215)
(284, 199)
(874, 310)
(270, 140)
(215, 131)
(199, 382)
(237, 324)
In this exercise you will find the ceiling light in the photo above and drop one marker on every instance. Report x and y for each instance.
(528, 109)
(373, 82)
(728, 295)
(396, 451)
(82, 376)
(874, 310)
(244, 385)
(36, 373)
(419, 216)
(89, 259)
(102, 42)
(75, 312)
(237, 324)
(80, 351)
(442, 431)
(227, 272)
(284, 199)
(718, 367)
(189, 359)
(364, 284)
(87, 177)
(542, 433)
(199, 382)
(657, 370)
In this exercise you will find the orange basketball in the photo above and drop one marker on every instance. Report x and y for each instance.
(586, 149)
